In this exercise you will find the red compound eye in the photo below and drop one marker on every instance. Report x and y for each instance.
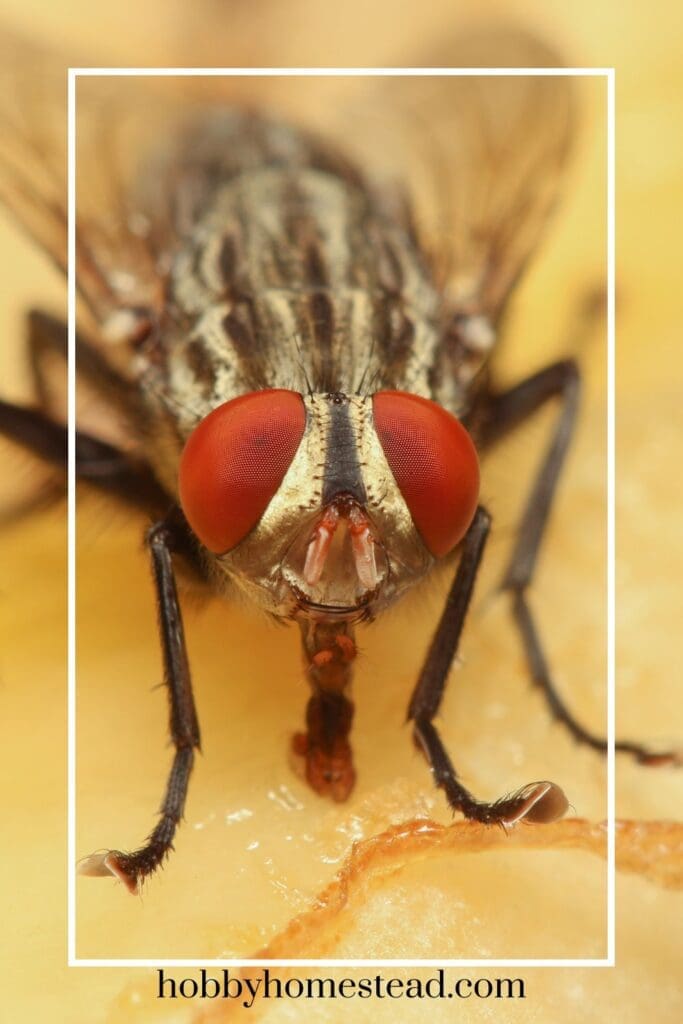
(434, 463)
(234, 462)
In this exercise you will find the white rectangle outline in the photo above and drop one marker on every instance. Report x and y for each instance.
(73, 74)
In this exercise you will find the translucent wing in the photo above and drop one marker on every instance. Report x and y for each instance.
(117, 121)
(33, 152)
(482, 157)
(33, 173)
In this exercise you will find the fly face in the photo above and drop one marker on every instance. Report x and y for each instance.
(312, 503)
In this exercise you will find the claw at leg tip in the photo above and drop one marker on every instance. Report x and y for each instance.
(541, 803)
(104, 865)
(659, 759)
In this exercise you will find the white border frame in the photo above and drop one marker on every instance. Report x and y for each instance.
(73, 75)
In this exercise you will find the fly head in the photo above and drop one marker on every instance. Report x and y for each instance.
(328, 506)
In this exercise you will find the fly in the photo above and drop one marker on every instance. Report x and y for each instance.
(309, 384)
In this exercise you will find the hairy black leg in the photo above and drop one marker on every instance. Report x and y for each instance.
(539, 801)
(127, 477)
(507, 410)
(112, 471)
(98, 462)
(163, 539)
(34, 431)
(47, 335)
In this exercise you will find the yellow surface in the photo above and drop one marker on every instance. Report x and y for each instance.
(257, 846)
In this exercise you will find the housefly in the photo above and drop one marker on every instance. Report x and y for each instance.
(302, 354)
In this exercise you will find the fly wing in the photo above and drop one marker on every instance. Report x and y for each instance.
(33, 152)
(116, 264)
(116, 267)
(33, 177)
(127, 139)
(482, 157)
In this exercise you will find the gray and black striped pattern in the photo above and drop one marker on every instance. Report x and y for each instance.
(289, 273)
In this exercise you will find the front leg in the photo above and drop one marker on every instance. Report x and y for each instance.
(165, 537)
(538, 801)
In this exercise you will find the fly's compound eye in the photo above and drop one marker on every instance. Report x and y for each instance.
(235, 460)
(434, 463)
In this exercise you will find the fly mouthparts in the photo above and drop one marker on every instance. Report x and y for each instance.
(319, 546)
(363, 547)
(362, 543)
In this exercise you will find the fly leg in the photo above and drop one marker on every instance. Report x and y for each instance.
(508, 409)
(35, 432)
(539, 801)
(163, 539)
(329, 651)
(47, 336)
(35, 429)
(98, 462)
(112, 471)
(132, 480)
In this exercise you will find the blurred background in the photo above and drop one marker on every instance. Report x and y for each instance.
(257, 847)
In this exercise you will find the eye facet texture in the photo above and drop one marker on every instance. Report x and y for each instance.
(434, 463)
(234, 462)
